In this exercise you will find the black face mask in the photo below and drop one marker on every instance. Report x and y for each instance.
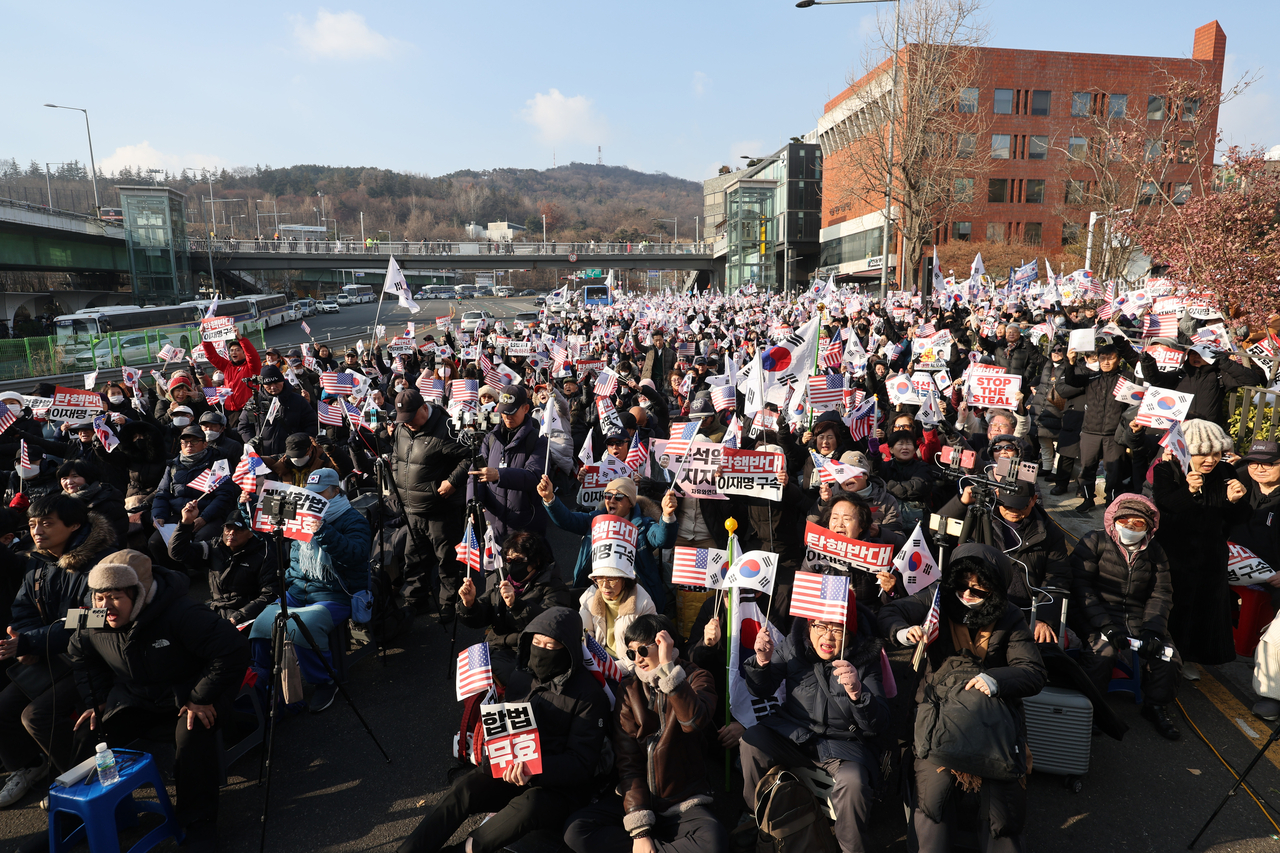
(546, 664)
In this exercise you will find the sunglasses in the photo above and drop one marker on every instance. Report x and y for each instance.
(615, 496)
(977, 593)
(641, 651)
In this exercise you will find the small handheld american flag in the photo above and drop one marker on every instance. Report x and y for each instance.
(330, 415)
(816, 596)
(475, 672)
(724, 397)
(24, 455)
(1160, 326)
(606, 383)
(340, 384)
(834, 354)
(681, 440)
(637, 454)
(930, 627)
(608, 667)
(826, 392)
(468, 550)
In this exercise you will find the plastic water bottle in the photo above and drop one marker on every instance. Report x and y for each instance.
(107, 772)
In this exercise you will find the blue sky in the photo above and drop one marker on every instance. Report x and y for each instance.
(433, 87)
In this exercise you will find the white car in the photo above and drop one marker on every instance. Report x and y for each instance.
(471, 320)
(327, 307)
(292, 313)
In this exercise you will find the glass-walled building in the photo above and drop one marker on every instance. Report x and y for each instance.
(752, 236)
(156, 238)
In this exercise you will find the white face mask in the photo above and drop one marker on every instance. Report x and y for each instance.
(1129, 537)
(299, 461)
(969, 604)
(27, 473)
(116, 399)
(16, 409)
(211, 435)
(181, 421)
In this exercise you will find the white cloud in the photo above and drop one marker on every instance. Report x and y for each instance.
(700, 83)
(144, 155)
(342, 35)
(558, 118)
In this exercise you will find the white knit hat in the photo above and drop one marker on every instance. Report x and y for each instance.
(1205, 437)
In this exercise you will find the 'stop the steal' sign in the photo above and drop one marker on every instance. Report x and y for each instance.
(993, 391)
(613, 544)
(72, 404)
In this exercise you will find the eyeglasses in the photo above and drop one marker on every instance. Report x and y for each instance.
(977, 593)
(639, 651)
(615, 496)
(822, 629)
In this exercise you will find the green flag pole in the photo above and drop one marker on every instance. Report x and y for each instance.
(731, 525)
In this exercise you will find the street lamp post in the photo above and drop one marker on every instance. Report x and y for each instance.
(93, 167)
(676, 220)
(893, 120)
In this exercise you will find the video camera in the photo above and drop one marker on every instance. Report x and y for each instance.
(469, 428)
(280, 507)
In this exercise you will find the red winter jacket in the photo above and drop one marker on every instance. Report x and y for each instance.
(234, 373)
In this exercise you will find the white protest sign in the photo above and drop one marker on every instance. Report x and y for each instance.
(71, 404)
(218, 329)
(310, 506)
(993, 391)
(1245, 567)
(750, 472)
(613, 543)
(1081, 340)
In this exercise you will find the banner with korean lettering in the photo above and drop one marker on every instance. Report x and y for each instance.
(1245, 567)
(594, 480)
(308, 505)
(750, 472)
(613, 543)
(73, 404)
(827, 546)
(511, 735)
(698, 470)
(218, 329)
(990, 391)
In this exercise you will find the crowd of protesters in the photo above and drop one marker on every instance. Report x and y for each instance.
(477, 452)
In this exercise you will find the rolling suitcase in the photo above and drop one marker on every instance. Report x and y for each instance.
(1060, 729)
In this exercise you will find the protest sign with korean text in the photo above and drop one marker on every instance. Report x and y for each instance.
(305, 505)
(613, 543)
(511, 735)
(72, 404)
(827, 546)
(218, 329)
(750, 472)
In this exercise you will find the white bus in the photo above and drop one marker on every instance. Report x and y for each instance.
(359, 292)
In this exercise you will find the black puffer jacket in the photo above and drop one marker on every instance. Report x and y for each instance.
(504, 625)
(241, 583)
(1260, 531)
(426, 458)
(571, 708)
(296, 415)
(1208, 382)
(1102, 410)
(1051, 419)
(1115, 588)
(817, 708)
(1024, 361)
(143, 449)
(512, 503)
(172, 652)
(52, 585)
(107, 501)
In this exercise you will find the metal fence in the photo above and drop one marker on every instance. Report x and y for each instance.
(40, 358)
(436, 247)
(1253, 415)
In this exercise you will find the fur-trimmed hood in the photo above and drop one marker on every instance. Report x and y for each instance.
(87, 546)
(994, 571)
(1132, 504)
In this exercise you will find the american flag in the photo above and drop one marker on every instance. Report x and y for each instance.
(340, 384)
(637, 454)
(1212, 337)
(685, 349)
(681, 437)
(834, 354)
(7, 419)
(826, 392)
(606, 383)
(464, 391)
(724, 397)
(249, 469)
(24, 455)
(862, 420)
(732, 435)
(1106, 310)
(468, 550)
(211, 396)
(608, 668)
(690, 565)
(926, 331)
(560, 357)
(432, 389)
(206, 481)
(824, 597)
(1160, 326)
(931, 621)
(822, 464)
(330, 415)
(492, 376)
(474, 671)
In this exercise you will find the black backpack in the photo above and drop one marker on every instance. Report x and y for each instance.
(789, 817)
(967, 730)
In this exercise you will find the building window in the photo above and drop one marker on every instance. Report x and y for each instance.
(1077, 148)
(1004, 102)
(1190, 106)
(968, 101)
(1037, 148)
(1040, 102)
(1035, 192)
(966, 145)
(1071, 233)
(1155, 108)
(1150, 190)
(995, 232)
(1081, 103)
(963, 190)
(961, 231)
(1181, 193)
(1031, 233)
(1151, 151)
(1116, 105)
(997, 190)
(1187, 151)
(1000, 146)
(1075, 192)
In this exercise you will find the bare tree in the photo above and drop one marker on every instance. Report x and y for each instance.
(1134, 162)
(929, 142)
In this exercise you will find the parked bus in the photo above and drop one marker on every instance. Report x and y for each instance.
(359, 292)
(272, 309)
(597, 294)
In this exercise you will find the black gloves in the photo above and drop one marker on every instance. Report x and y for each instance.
(1119, 637)
(1152, 644)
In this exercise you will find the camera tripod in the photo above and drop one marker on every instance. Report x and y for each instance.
(1275, 736)
(279, 632)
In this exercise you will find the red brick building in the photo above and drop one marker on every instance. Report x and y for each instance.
(1037, 110)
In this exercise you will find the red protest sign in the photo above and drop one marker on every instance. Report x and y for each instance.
(511, 735)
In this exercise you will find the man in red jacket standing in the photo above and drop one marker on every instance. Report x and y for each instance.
(241, 363)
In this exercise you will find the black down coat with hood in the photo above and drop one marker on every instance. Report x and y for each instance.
(570, 709)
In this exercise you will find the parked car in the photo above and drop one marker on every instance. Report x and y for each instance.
(471, 320)
(342, 299)
(133, 350)
(308, 307)
(327, 307)
(529, 292)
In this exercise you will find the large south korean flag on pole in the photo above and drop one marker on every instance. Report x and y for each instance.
(791, 360)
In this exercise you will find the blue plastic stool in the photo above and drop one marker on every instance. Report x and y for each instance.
(1127, 678)
(103, 811)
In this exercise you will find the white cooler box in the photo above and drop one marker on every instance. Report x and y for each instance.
(1060, 733)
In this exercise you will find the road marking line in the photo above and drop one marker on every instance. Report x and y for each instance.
(1231, 708)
